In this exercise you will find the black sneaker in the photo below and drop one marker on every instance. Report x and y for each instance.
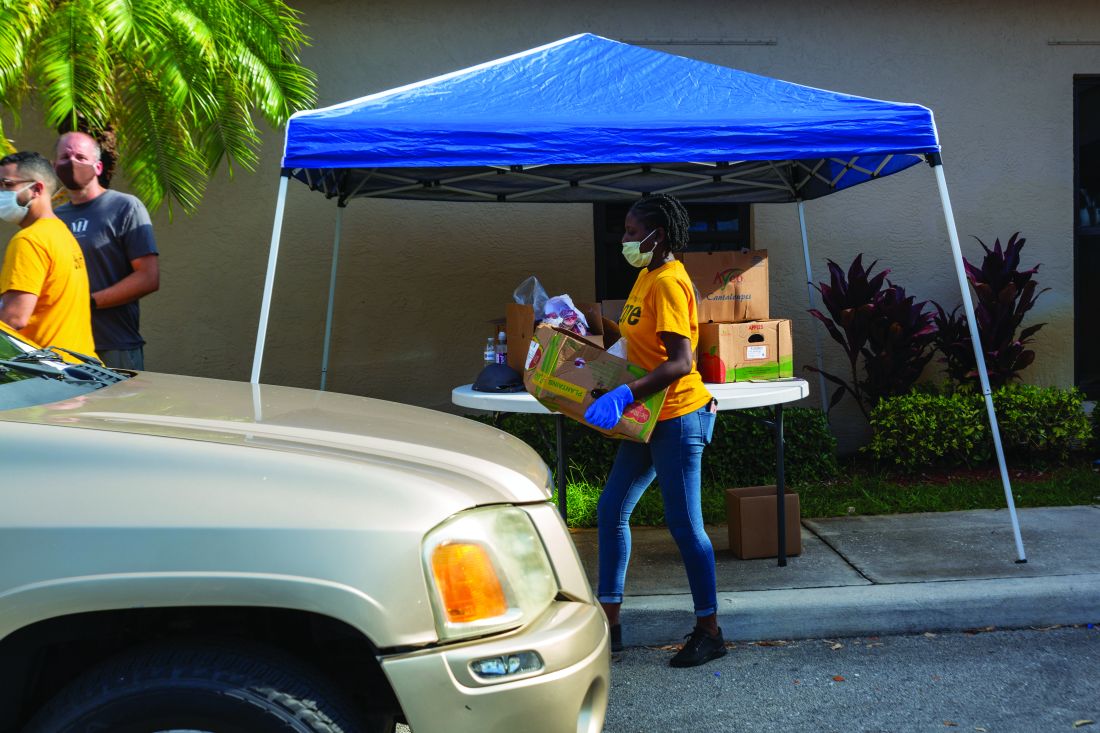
(617, 638)
(699, 648)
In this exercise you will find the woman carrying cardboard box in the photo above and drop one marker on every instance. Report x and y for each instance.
(660, 324)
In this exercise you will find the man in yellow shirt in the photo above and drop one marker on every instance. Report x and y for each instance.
(44, 291)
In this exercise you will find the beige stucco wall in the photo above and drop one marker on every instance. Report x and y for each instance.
(418, 281)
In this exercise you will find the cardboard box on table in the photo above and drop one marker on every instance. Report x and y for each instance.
(733, 286)
(738, 352)
(519, 327)
(751, 514)
(567, 374)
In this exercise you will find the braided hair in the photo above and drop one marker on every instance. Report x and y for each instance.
(662, 210)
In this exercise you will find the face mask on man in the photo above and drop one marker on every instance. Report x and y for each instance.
(10, 209)
(633, 253)
(75, 175)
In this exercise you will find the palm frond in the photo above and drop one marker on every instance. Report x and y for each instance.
(230, 133)
(73, 62)
(19, 24)
(175, 68)
(259, 41)
(119, 16)
(5, 144)
(284, 22)
(181, 81)
(278, 91)
(270, 25)
(157, 151)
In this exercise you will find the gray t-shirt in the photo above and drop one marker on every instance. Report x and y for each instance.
(112, 229)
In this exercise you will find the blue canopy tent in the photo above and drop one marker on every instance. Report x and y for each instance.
(588, 119)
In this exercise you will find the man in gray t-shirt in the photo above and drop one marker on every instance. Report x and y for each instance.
(116, 235)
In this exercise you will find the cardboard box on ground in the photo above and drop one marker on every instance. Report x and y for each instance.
(751, 517)
(566, 373)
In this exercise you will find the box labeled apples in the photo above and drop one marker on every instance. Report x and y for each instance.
(567, 374)
(738, 352)
(751, 513)
(733, 286)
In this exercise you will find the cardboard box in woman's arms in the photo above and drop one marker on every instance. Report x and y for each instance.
(567, 374)
(520, 322)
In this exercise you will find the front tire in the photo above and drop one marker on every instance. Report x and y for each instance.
(192, 687)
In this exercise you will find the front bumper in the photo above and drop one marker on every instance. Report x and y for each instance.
(438, 692)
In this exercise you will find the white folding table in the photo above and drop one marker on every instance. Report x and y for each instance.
(734, 396)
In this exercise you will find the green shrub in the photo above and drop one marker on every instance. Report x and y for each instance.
(1046, 423)
(742, 453)
(919, 430)
(743, 450)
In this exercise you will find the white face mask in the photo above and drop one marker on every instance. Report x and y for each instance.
(10, 209)
(633, 253)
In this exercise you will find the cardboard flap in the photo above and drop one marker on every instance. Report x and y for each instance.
(519, 326)
(611, 332)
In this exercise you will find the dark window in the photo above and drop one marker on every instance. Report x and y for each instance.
(713, 227)
(1086, 236)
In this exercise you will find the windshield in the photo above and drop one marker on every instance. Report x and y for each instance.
(11, 346)
(32, 376)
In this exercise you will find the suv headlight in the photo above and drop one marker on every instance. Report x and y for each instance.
(488, 571)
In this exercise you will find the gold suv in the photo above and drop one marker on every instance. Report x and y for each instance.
(184, 554)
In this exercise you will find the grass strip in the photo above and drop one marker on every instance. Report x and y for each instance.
(865, 493)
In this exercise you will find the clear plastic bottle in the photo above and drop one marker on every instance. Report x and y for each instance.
(502, 348)
(490, 351)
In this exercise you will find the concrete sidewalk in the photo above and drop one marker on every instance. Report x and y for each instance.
(877, 575)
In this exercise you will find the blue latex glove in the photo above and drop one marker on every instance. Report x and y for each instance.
(606, 411)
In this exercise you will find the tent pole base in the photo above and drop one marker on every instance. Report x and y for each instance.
(936, 162)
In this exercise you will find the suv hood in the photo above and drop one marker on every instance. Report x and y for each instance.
(491, 465)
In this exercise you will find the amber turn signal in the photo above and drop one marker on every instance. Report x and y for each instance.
(467, 582)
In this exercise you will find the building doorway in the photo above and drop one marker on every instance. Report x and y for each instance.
(1086, 234)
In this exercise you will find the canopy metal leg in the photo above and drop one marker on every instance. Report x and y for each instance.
(968, 307)
(269, 279)
(810, 296)
(780, 488)
(559, 429)
(331, 294)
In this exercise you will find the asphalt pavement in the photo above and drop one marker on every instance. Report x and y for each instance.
(875, 575)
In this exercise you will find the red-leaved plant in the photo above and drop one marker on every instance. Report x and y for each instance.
(1004, 295)
(874, 318)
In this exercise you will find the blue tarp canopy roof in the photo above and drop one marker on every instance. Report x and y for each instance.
(591, 119)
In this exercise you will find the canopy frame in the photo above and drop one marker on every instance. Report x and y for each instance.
(787, 180)
(834, 160)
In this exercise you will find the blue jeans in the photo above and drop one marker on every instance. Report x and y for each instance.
(674, 455)
(123, 358)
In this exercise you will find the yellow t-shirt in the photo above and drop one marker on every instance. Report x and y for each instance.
(664, 300)
(44, 259)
